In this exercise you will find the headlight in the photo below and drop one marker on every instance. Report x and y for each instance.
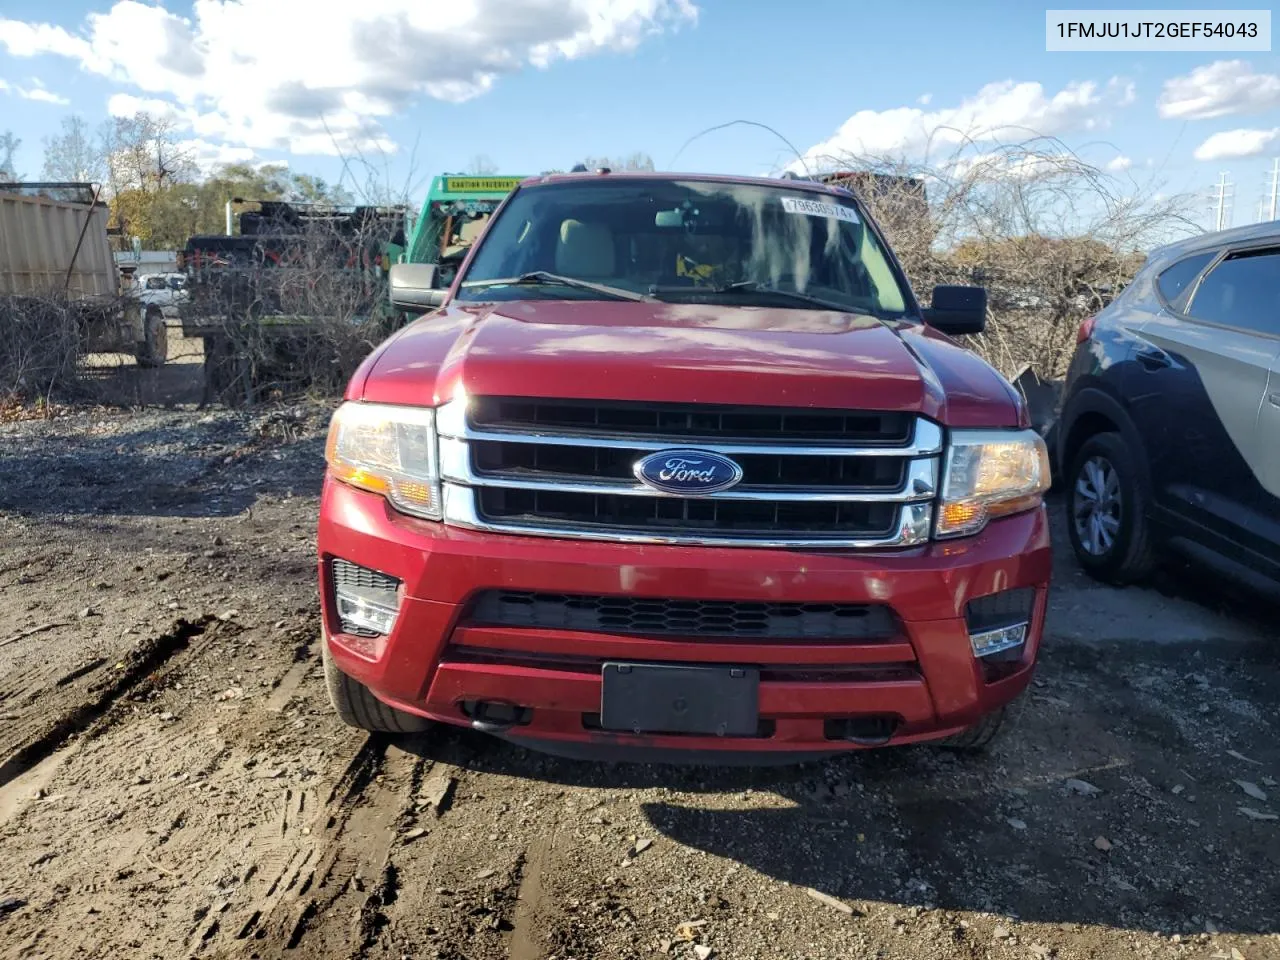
(990, 473)
(389, 450)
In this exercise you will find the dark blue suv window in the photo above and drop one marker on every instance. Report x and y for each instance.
(1175, 278)
(1243, 291)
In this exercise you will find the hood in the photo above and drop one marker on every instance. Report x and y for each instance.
(680, 353)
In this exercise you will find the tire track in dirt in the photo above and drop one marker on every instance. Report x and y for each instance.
(532, 911)
(328, 898)
(68, 707)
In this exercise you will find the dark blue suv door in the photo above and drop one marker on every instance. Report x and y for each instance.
(1199, 385)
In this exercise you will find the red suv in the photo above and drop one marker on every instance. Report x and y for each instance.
(678, 468)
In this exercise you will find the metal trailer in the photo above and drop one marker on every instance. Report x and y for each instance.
(55, 243)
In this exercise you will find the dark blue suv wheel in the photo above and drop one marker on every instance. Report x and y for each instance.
(1106, 511)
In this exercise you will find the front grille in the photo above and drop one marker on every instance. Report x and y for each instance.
(810, 478)
(658, 617)
(690, 422)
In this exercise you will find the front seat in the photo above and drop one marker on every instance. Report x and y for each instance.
(585, 250)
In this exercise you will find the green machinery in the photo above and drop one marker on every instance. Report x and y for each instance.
(453, 215)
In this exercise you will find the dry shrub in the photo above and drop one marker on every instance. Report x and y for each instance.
(39, 347)
(294, 315)
(1051, 237)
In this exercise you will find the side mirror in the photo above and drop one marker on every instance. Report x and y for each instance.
(957, 310)
(414, 287)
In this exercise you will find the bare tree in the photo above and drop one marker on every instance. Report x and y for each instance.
(481, 165)
(634, 161)
(73, 155)
(9, 145)
(1052, 237)
(143, 152)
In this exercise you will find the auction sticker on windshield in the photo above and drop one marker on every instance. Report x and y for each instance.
(816, 208)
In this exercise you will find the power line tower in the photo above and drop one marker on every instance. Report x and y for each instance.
(1270, 209)
(1221, 203)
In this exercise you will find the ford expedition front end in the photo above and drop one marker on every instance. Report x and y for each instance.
(678, 468)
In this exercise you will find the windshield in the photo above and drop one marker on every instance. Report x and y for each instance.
(687, 241)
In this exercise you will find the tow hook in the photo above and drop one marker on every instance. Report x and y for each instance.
(871, 731)
(492, 716)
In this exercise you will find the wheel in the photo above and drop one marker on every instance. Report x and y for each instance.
(154, 349)
(977, 737)
(357, 707)
(221, 372)
(1107, 512)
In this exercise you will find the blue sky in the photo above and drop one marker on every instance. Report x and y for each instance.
(447, 81)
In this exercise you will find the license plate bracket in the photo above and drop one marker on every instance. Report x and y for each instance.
(656, 698)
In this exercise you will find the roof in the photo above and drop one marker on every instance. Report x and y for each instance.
(799, 183)
(1267, 230)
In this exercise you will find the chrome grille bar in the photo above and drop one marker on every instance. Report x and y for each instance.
(916, 462)
(455, 464)
(451, 422)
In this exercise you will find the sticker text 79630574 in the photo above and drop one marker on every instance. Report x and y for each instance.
(816, 208)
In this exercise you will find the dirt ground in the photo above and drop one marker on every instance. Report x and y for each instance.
(173, 784)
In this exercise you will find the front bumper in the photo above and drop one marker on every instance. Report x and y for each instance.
(435, 660)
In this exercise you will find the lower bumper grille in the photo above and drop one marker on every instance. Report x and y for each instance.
(888, 672)
(839, 622)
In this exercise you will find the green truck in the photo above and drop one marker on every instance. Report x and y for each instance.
(454, 214)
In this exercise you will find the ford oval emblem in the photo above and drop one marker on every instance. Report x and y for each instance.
(688, 473)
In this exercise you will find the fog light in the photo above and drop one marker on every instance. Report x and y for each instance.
(987, 642)
(998, 622)
(366, 601)
(364, 613)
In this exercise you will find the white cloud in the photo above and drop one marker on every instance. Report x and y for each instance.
(1004, 110)
(1120, 163)
(36, 92)
(317, 76)
(924, 99)
(208, 156)
(43, 96)
(126, 105)
(28, 39)
(1012, 165)
(1235, 144)
(1219, 89)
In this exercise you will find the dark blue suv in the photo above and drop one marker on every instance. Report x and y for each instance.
(1169, 431)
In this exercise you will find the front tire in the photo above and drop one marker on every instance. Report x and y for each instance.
(1107, 512)
(978, 737)
(357, 707)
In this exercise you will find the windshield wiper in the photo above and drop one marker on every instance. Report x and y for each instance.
(756, 286)
(541, 278)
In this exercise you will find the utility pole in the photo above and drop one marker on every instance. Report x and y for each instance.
(1222, 203)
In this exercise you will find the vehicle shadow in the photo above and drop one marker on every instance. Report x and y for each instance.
(1151, 836)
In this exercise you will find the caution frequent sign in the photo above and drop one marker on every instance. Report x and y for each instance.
(481, 184)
